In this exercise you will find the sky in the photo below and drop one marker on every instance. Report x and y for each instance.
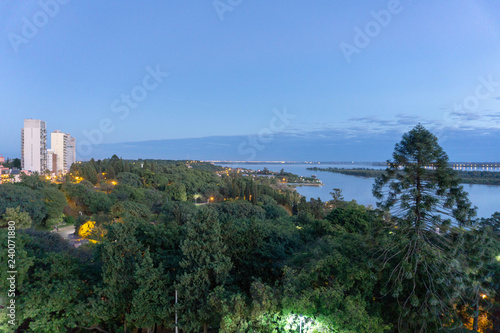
(252, 80)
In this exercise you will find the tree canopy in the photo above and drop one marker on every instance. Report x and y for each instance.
(248, 254)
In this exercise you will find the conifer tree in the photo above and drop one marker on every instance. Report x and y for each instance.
(425, 198)
(120, 255)
(205, 267)
(152, 300)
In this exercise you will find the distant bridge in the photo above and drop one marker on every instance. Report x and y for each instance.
(476, 166)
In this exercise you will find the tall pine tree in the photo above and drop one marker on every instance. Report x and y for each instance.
(425, 198)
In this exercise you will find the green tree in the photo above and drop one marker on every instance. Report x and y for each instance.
(89, 172)
(99, 202)
(129, 208)
(55, 201)
(34, 181)
(117, 163)
(480, 248)
(120, 255)
(128, 178)
(29, 200)
(176, 191)
(22, 219)
(205, 267)
(352, 218)
(152, 298)
(337, 197)
(110, 172)
(424, 196)
(48, 301)
(15, 163)
(52, 282)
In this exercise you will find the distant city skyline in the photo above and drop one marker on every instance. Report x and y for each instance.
(172, 79)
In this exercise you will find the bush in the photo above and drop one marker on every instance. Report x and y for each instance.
(70, 220)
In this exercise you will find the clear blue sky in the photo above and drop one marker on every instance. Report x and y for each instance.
(226, 76)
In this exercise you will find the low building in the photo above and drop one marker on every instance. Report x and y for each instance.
(17, 173)
(4, 172)
(10, 175)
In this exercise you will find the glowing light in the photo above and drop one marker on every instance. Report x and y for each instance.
(483, 296)
(114, 183)
(86, 229)
(300, 323)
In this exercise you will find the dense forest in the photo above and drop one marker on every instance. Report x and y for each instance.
(248, 254)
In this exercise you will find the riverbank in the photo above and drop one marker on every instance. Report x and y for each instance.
(485, 197)
(304, 184)
(468, 177)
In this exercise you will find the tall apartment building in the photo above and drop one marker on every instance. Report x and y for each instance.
(71, 150)
(51, 161)
(64, 148)
(34, 145)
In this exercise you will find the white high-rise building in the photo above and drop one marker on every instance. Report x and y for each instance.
(71, 150)
(64, 147)
(58, 143)
(51, 161)
(34, 145)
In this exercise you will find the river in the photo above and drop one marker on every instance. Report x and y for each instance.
(485, 197)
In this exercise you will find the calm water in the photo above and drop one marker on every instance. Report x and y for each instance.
(486, 198)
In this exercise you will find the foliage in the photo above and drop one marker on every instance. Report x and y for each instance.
(125, 298)
(55, 201)
(205, 267)
(128, 178)
(255, 258)
(422, 271)
(28, 200)
(130, 208)
(22, 219)
(52, 285)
